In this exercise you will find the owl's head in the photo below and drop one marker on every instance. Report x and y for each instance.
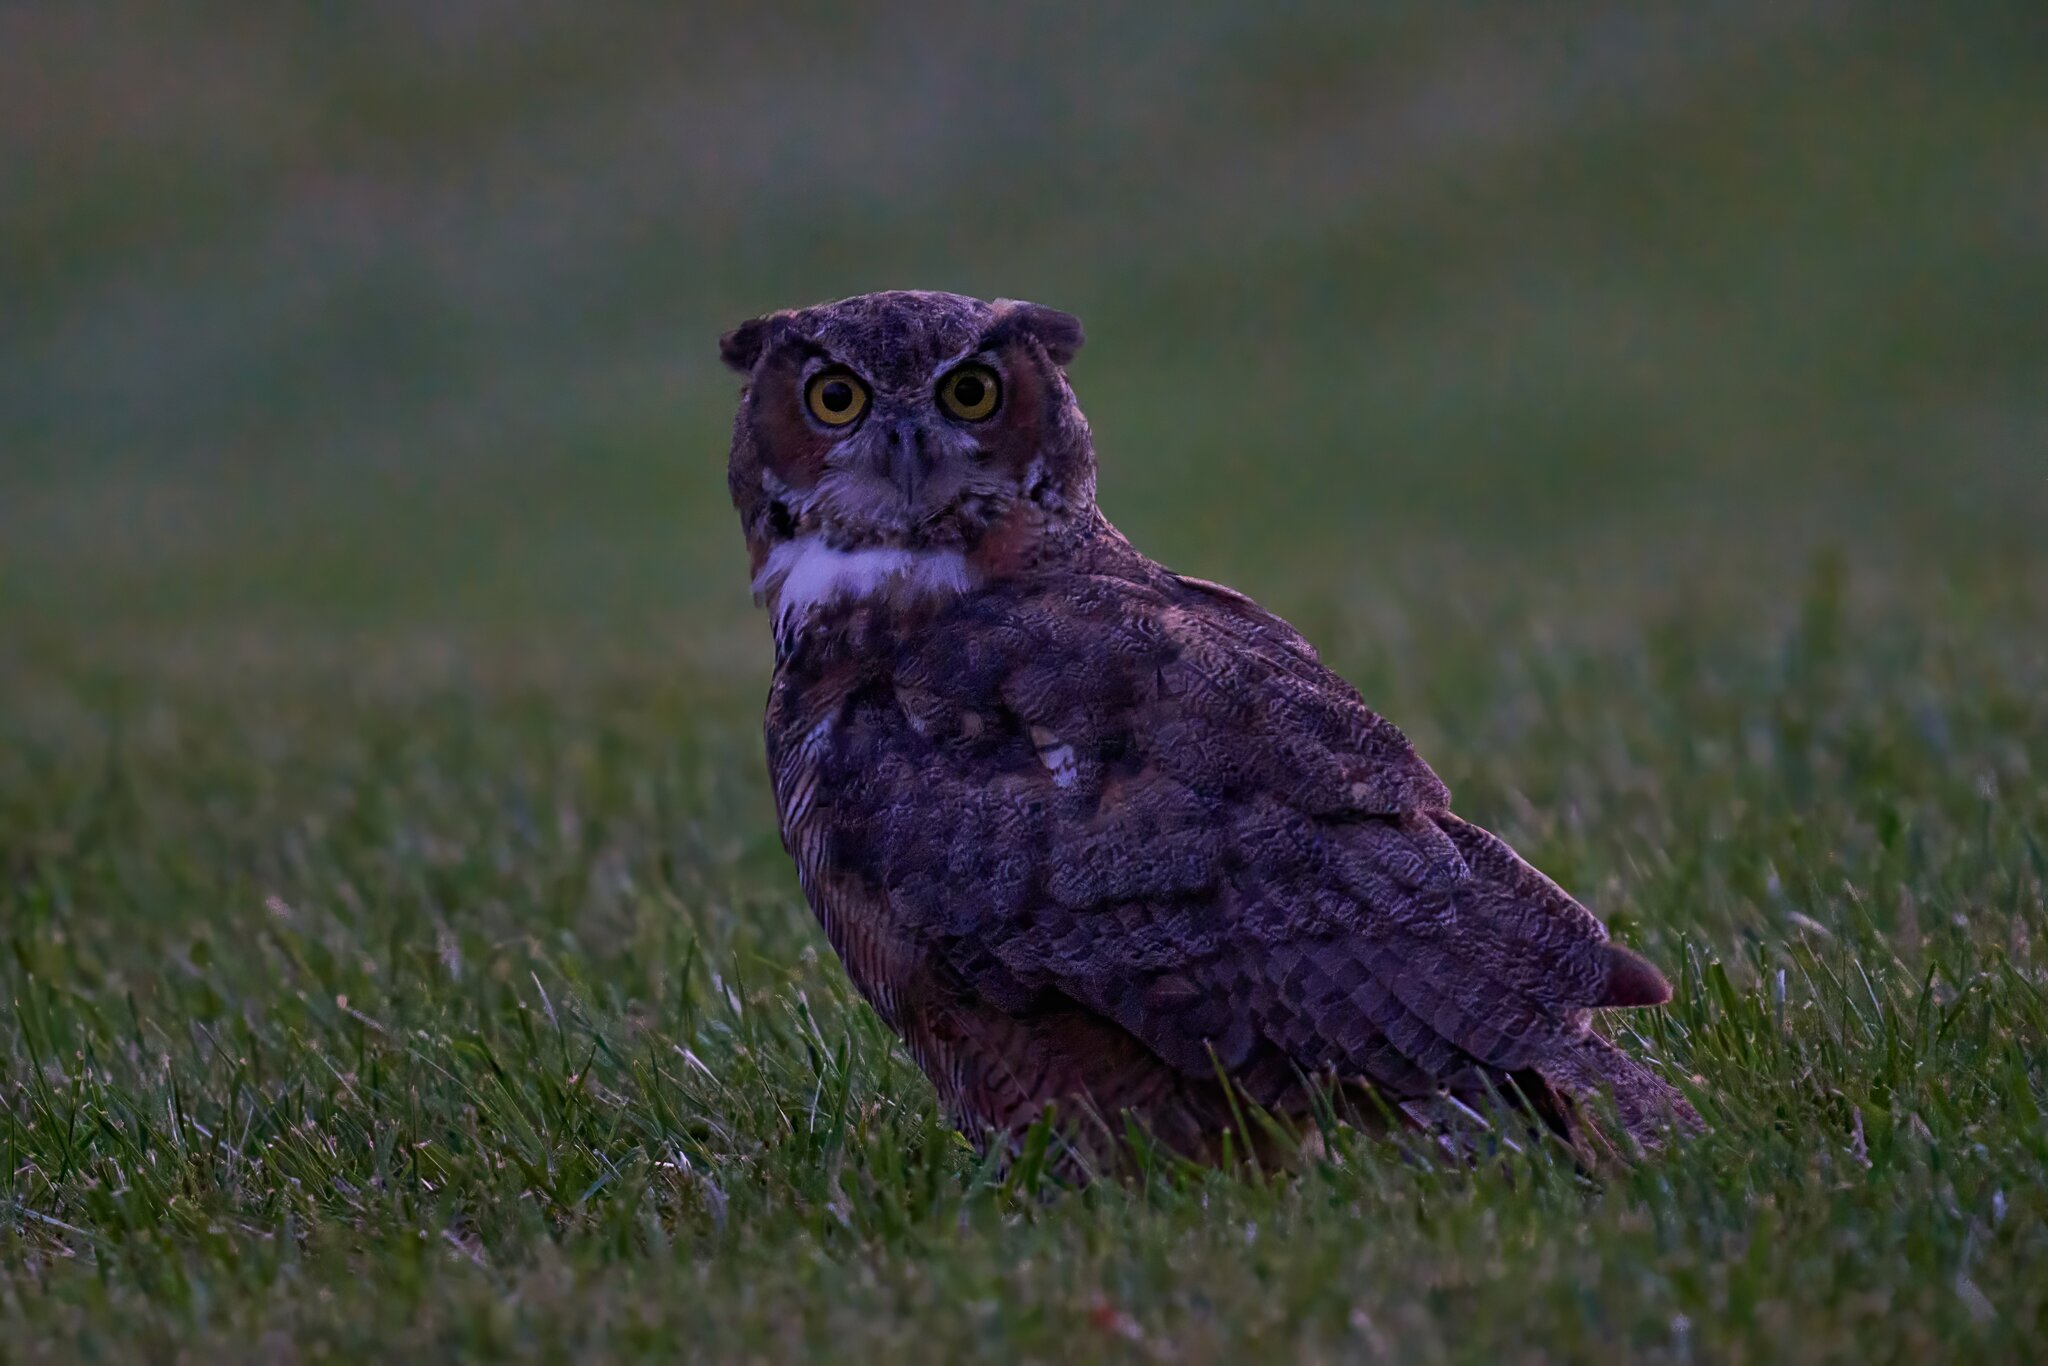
(906, 424)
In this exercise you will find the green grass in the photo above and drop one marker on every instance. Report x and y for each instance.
(397, 957)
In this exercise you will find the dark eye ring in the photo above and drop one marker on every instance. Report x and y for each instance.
(835, 397)
(971, 393)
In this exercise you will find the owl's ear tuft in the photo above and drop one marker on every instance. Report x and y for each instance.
(741, 348)
(1059, 333)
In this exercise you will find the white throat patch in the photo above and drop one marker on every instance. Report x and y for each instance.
(805, 573)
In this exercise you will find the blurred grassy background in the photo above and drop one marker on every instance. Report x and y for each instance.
(1647, 405)
(403, 317)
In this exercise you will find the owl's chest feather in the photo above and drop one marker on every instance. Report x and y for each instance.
(1030, 691)
(851, 741)
(898, 737)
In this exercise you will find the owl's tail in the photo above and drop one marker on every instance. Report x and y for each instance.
(1590, 1079)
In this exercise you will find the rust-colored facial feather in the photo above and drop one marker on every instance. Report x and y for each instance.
(791, 445)
(1030, 410)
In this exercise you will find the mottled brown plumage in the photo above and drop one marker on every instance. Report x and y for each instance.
(1092, 834)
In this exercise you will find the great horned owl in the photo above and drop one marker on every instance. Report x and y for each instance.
(1093, 835)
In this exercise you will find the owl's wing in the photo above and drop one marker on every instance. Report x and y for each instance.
(1149, 798)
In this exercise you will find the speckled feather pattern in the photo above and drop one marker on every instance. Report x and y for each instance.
(1089, 833)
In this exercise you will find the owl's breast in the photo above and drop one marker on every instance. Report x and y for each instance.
(916, 756)
(1033, 696)
(859, 738)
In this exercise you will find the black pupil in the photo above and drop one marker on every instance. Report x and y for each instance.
(970, 390)
(837, 396)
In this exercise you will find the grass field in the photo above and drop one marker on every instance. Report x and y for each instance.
(1647, 408)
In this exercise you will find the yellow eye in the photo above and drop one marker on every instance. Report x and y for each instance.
(971, 392)
(836, 398)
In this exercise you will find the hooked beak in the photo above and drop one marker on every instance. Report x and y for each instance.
(905, 462)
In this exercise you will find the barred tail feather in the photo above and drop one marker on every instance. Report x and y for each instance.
(1590, 1073)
